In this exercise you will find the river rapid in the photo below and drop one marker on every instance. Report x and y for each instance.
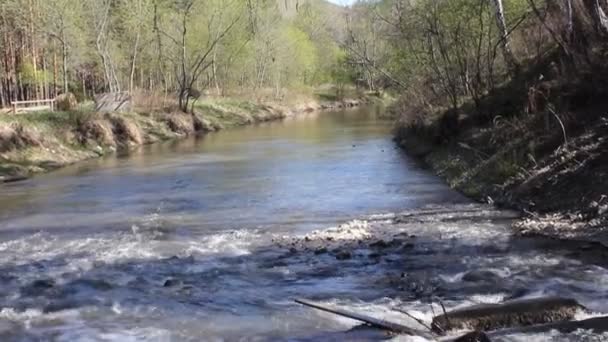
(212, 238)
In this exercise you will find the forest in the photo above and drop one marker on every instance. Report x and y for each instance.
(434, 52)
(91, 46)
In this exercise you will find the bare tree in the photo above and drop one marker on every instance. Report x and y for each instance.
(190, 65)
(599, 15)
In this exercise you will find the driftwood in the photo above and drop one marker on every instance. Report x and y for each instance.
(378, 323)
(517, 313)
(526, 316)
(597, 325)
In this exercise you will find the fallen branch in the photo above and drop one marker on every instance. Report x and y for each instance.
(561, 124)
(418, 320)
(375, 322)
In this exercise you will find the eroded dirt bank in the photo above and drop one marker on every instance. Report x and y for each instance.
(39, 142)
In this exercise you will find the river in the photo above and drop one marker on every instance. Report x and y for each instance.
(186, 240)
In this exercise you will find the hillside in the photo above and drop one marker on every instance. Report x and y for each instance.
(537, 142)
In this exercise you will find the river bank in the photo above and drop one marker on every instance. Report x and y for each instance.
(38, 142)
(548, 166)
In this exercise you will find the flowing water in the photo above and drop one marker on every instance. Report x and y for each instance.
(196, 240)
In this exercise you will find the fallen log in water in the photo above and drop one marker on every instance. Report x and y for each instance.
(517, 313)
(597, 325)
(375, 322)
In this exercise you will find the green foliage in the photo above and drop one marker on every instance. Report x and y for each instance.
(92, 46)
(299, 57)
(31, 77)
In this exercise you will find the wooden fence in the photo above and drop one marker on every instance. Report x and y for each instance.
(33, 106)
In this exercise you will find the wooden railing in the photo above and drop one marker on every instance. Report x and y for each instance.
(47, 104)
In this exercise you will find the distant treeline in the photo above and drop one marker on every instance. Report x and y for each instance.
(90, 46)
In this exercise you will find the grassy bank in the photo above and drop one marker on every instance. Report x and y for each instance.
(37, 142)
(547, 157)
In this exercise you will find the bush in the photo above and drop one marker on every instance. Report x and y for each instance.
(66, 102)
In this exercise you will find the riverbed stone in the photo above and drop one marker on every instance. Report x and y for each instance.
(374, 255)
(480, 275)
(475, 336)
(172, 282)
(343, 255)
(320, 251)
(408, 246)
(38, 287)
(517, 313)
(95, 284)
(380, 244)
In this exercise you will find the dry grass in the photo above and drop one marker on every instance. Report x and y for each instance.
(125, 131)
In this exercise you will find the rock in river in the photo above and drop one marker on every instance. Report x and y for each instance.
(480, 276)
(38, 287)
(343, 255)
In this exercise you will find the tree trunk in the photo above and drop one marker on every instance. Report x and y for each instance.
(55, 69)
(64, 53)
(45, 81)
(133, 61)
(569, 19)
(601, 20)
(36, 84)
(504, 36)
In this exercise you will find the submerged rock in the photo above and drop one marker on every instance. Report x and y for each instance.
(480, 276)
(94, 284)
(343, 255)
(320, 251)
(67, 304)
(475, 336)
(517, 313)
(380, 244)
(38, 287)
(172, 283)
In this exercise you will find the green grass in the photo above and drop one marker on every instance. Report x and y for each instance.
(229, 112)
(51, 119)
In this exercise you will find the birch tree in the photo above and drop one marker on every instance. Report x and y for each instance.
(504, 35)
